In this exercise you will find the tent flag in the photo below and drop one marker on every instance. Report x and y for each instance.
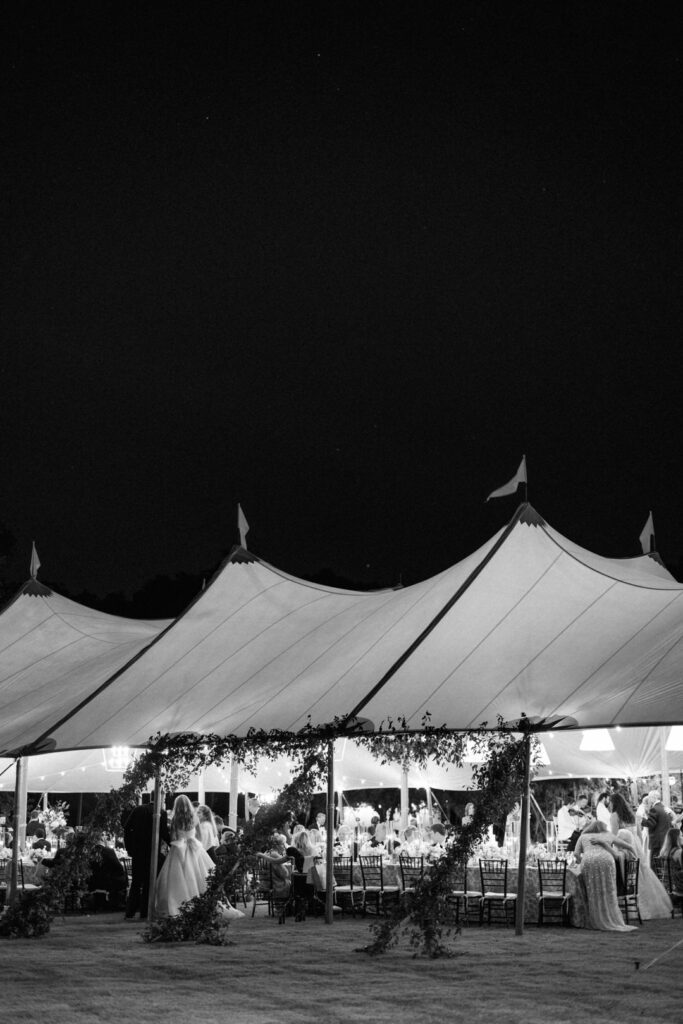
(242, 525)
(647, 536)
(511, 486)
(35, 562)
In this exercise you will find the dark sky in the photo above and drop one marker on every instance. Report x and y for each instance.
(344, 263)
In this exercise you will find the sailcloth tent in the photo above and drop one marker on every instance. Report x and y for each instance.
(54, 653)
(530, 624)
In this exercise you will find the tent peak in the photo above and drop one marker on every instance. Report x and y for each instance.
(528, 515)
(240, 554)
(33, 588)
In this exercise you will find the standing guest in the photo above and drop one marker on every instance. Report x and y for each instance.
(657, 823)
(137, 837)
(653, 901)
(206, 830)
(187, 866)
(602, 808)
(306, 850)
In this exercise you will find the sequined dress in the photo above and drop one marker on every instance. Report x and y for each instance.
(599, 874)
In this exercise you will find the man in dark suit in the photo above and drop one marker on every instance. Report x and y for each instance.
(657, 823)
(137, 836)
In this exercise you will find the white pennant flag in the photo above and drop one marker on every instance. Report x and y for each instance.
(35, 562)
(647, 536)
(242, 525)
(511, 486)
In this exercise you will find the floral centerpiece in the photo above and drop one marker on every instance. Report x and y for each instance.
(54, 818)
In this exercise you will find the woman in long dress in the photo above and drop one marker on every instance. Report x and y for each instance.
(596, 851)
(653, 899)
(206, 830)
(185, 870)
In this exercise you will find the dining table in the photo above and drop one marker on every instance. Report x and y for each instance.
(578, 912)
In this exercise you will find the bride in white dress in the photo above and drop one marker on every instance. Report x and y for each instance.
(653, 899)
(185, 870)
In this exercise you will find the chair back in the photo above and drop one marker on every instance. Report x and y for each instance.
(631, 867)
(552, 877)
(263, 875)
(343, 871)
(494, 875)
(412, 870)
(660, 866)
(372, 872)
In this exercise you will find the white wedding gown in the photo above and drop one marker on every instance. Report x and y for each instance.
(184, 874)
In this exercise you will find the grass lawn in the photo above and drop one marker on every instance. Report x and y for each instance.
(96, 968)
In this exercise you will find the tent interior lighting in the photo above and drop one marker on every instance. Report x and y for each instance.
(675, 740)
(596, 739)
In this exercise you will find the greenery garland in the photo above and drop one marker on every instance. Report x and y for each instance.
(499, 779)
(175, 758)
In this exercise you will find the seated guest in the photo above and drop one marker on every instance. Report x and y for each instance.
(565, 821)
(343, 841)
(672, 848)
(34, 825)
(40, 842)
(435, 841)
(412, 843)
(603, 811)
(317, 840)
(281, 862)
(108, 873)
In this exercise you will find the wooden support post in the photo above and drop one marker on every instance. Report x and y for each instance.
(19, 836)
(329, 834)
(156, 831)
(523, 838)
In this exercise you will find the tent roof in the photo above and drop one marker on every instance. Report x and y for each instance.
(55, 652)
(531, 624)
(637, 752)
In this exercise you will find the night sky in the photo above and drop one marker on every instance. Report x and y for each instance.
(344, 263)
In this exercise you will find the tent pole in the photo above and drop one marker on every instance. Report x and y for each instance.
(201, 786)
(405, 799)
(234, 791)
(19, 837)
(154, 859)
(329, 835)
(340, 807)
(666, 787)
(523, 835)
